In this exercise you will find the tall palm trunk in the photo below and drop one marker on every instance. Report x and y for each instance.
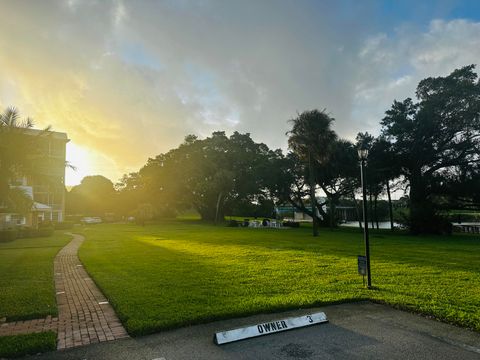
(312, 195)
(371, 206)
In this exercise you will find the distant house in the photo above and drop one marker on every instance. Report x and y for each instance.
(47, 187)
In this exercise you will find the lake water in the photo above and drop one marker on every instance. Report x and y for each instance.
(381, 224)
(386, 224)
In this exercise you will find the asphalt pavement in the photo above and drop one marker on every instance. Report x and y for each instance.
(361, 330)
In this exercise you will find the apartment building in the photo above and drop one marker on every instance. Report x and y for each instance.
(46, 185)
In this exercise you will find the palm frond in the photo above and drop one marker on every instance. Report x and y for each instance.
(70, 165)
(9, 117)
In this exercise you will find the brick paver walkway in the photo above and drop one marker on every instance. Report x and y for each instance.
(28, 326)
(84, 314)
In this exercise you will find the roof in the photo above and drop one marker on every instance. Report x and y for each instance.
(53, 134)
(40, 207)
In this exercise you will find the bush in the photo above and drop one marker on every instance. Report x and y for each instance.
(32, 233)
(438, 225)
(45, 224)
(25, 232)
(233, 223)
(8, 235)
(291, 224)
(459, 217)
(402, 216)
(63, 225)
(44, 232)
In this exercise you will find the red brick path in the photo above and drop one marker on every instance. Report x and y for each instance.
(28, 326)
(84, 314)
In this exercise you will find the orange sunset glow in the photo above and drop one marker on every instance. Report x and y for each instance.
(239, 179)
(127, 81)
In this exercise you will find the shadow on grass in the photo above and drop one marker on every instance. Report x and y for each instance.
(456, 252)
(198, 274)
(171, 288)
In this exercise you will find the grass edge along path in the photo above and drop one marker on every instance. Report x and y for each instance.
(26, 275)
(27, 344)
(182, 273)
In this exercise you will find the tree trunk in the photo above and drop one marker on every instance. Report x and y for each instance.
(332, 213)
(357, 211)
(390, 208)
(375, 207)
(217, 207)
(313, 201)
(371, 206)
(213, 211)
(422, 214)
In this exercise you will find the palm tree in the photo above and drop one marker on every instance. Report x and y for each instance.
(16, 160)
(312, 140)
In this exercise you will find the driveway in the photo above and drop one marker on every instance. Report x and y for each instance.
(355, 331)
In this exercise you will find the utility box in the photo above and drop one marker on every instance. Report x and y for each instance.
(362, 265)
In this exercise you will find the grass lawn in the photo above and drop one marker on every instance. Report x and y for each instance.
(184, 272)
(26, 277)
(28, 291)
(29, 344)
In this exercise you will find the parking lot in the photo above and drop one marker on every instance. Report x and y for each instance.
(355, 331)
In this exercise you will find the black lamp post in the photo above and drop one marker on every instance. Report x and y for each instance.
(362, 155)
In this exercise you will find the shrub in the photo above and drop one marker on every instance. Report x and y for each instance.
(439, 226)
(25, 232)
(402, 216)
(45, 224)
(233, 223)
(33, 233)
(143, 213)
(63, 225)
(43, 232)
(462, 217)
(292, 224)
(8, 235)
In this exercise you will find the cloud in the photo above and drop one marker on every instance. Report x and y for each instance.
(130, 79)
(393, 65)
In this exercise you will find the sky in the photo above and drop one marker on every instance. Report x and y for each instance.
(128, 80)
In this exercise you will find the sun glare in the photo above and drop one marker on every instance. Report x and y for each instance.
(81, 159)
(89, 162)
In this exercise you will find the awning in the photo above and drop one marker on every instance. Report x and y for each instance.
(40, 207)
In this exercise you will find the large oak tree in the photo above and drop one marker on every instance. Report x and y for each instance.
(434, 139)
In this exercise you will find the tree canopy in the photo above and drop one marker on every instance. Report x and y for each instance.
(430, 145)
(312, 141)
(436, 140)
(210, 175)
(94, 196)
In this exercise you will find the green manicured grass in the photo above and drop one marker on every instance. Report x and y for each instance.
(183, 272)
(30, 344)
(26, 277)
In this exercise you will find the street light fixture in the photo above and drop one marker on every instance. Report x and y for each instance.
(362, 155)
